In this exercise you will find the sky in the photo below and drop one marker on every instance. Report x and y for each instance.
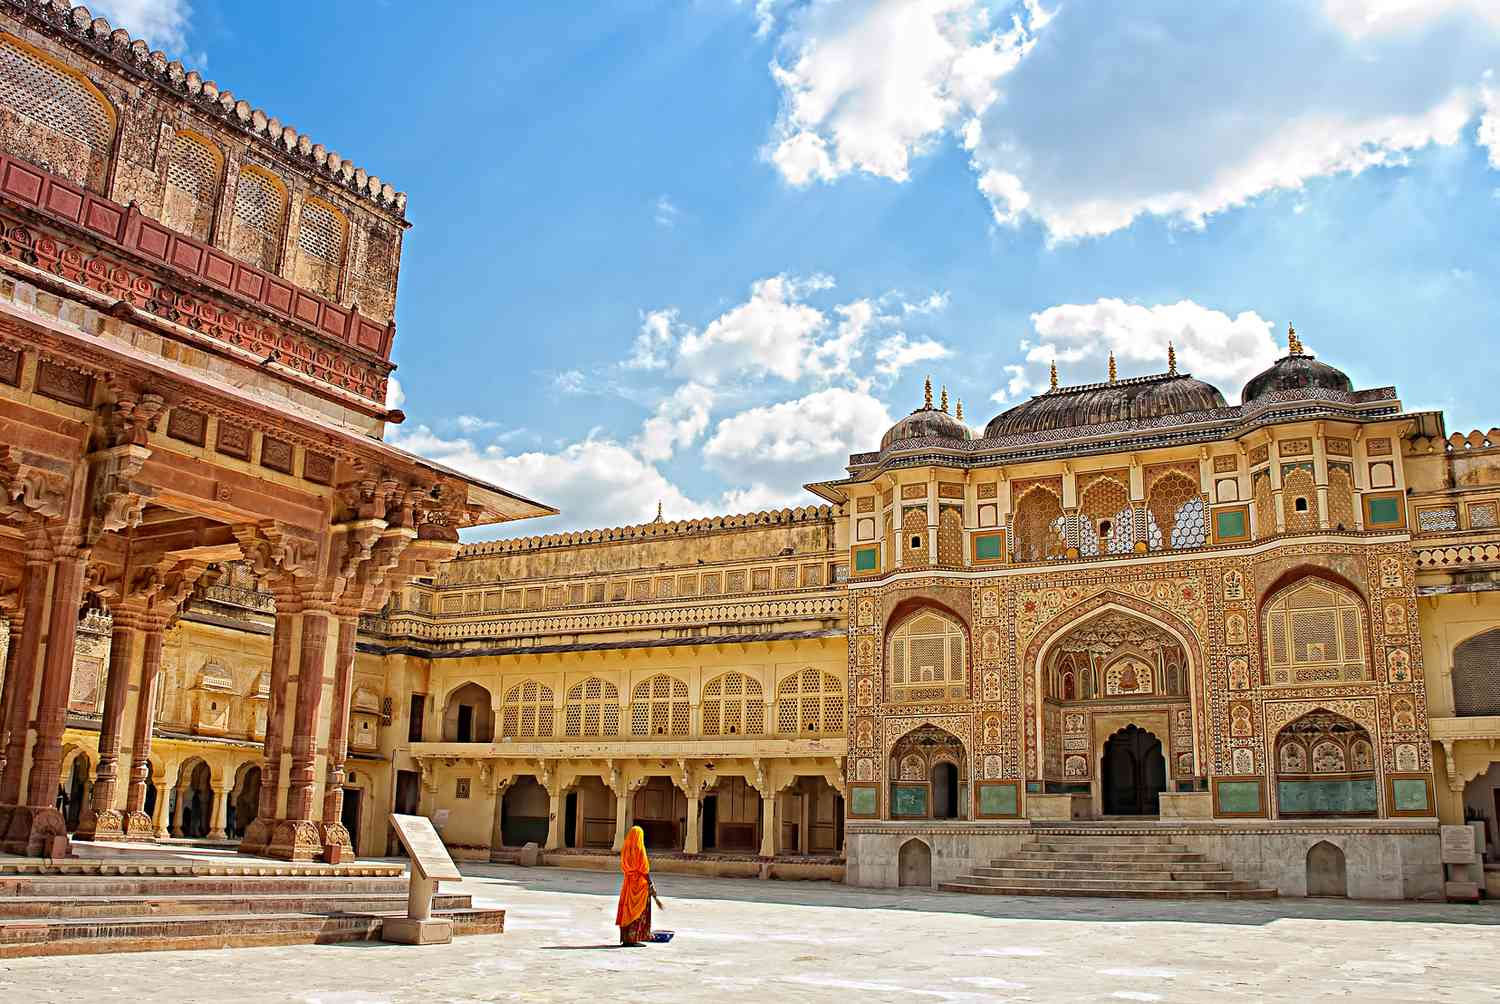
(696, 253)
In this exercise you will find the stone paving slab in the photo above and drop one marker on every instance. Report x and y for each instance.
(773, 941)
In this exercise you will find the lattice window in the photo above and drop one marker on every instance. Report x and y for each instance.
(950, 535)
(258, 218)
(527, 712)
(810, 702)
(40, 103)
(321, 238)
(1174, 505)
(1109, 524)
(1299, 499)
(592, 709)
(914, 536)
(1430, 520)
(1038, 525)
(1315, 634)
(1340, 497)
(192, 185)
(659, 707)
(1265, 511)
(1476, 675)
(733, 704)
(928, 659)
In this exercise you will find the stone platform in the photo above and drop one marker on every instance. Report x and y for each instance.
(1106, 865)
(133, 899)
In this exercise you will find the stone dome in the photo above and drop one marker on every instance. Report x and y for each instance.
(1132, 399)
(1297, 370)
(928, 421)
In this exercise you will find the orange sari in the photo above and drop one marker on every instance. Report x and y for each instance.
(635, 891)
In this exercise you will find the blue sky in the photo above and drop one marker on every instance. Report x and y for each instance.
(700, 251)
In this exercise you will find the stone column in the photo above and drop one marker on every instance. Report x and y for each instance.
(768, 824)
(159, 818)
(36, 828)
(556, 818)
(137, 825)
(692, 841)
(20, 673)
(178, 811)
(337, 845)
(101, 820)
(296, 837)
(216, 816)
(258, 834)
(622, 818)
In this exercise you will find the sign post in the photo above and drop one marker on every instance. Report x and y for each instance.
(430, 864)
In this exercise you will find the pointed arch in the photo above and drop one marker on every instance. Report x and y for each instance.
(1037, 525)
(528, 711)
(659, 706)
(733, 704)
(592, 709)
(1315, 628)
(927, 655)
(1476, 674)
(56, 117)
(810, 702)
(1324, 767)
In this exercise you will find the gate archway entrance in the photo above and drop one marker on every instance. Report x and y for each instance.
(1134, 773)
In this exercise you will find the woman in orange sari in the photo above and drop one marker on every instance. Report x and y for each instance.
(633, 915)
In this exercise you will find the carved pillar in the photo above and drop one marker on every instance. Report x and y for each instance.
(258, 834)
(101, 820)
(622, 818)
(295, 836)
(337, 846)
(37, 829)
(216, 817)
(178, 811)
(137, 825)
(556, 818)
(692, 841)
(20, 673)
(768, 824)
(159, 817)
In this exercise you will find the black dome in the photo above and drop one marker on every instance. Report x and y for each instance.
(924, 422)
(1295, 371)
(1132, 399)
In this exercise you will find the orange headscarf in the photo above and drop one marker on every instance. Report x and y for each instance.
(635, 892)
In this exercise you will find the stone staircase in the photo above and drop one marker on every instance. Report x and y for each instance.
(1105, 863)
(79, 907)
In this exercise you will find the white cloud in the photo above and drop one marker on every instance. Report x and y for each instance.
(659, 333)
(1088, 117)
(679, 420)
(1015, 387)
(771, 333)
(162, 23)
(570, 381)
(470, 424)
(395, 397)
(898, 352)
(1222, 350)
(1488, 135)
(665, 212)
(785, 444)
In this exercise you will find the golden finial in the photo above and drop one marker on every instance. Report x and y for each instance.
(943, 407)
(1113, 373)
(1171, 359)
(960, 409)
(1293, 343)
(658, 510)
(1054, 374)
(927, 394)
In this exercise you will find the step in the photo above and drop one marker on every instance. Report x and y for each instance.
(1112, 840)
(144, 934)
(1105, 847)
(58, 885)
(179, 866)
(1062, 890)
(62, 907)
(1026, 854)
(1083, 882)
(1005, 871)
(1054, 861)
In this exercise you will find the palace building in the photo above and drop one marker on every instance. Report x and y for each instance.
(1269, 631)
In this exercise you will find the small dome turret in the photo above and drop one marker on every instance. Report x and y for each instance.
(928, 421)
(1297, 370)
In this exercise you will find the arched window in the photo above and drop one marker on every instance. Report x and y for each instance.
(810, 702)
(1476, 675)
(1325, 766)
(320, 247)
(659, 707)
(193, 171)
(927, 660)
(467, 717)
(1038, 525)
(1109, 524)
(259, 215)
(1340, 496)
(53, 115)
(527, 712)
(1315, 633)
(1299, 498)
(1265, 510)
(1174, 504)
(592, 709)
(733, 704)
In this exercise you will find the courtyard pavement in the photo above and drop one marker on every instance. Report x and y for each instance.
(788, 941)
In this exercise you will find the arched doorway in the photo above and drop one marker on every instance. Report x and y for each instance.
(244, 800)
(660, 810)
(1134, 773)
(914, 864)
(929, 775)
(524, 812)
(467, 717)
(1326, 871)
(192, 811)
(1325, 766)
(79, 788)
